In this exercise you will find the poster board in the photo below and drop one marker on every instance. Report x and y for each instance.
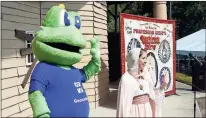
(158, 37)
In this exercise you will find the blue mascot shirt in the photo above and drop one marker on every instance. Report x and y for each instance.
(62, 90)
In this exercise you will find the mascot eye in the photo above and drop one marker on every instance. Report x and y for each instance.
(77, 22)
(66, 19)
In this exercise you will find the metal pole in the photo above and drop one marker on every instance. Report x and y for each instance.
(195, 101)
(170, 9)
(115, 18)
(178, 59)
(188, 64)
(195, 91)
(194, 85)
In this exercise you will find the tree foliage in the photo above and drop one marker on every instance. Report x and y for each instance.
(136, 8)
(190, 16)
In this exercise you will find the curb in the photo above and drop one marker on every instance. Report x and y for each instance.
(198, 108)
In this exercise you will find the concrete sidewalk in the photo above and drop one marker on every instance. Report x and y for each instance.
(179, 105)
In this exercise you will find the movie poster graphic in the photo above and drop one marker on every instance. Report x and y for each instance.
(158, 37)
(152, 67)
(164, 51)
(165, 77)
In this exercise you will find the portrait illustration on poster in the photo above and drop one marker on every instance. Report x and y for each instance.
(165, 77)
(164, 51)
(152, 67)
(158, 38)
(133, 43)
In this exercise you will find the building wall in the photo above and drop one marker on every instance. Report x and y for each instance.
(22, 16)
(26, 16)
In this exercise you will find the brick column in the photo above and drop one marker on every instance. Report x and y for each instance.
(160, 9)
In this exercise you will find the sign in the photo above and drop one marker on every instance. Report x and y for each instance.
(158, 38)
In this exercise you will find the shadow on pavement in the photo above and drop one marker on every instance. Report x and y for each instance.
(201, 102)
(184, 89)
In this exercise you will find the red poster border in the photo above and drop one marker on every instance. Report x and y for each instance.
(134, 17)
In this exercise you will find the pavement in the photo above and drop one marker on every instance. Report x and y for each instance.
(201, 102)
(180, 104)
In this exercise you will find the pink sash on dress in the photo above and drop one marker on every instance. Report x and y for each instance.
(140, 99)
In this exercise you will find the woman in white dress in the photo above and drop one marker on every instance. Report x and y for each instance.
(137, 96)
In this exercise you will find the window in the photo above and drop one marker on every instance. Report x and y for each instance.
(30, 57)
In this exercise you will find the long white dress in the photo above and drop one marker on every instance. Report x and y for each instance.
(128, 89)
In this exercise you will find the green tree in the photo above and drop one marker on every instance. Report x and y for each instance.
(137, 8)
(190, 16)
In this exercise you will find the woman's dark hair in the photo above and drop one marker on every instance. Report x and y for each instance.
(141, 52)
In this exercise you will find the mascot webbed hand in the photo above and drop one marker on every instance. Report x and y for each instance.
(56, 86)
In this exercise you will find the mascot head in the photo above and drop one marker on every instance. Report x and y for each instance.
(59, 41)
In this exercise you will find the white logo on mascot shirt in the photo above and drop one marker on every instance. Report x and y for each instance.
(80, 100)
(80, 90)
(78, 86)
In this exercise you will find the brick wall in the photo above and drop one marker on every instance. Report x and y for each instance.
(22, 16)
(100, 29)
(26, 16)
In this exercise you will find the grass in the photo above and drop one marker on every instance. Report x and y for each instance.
(184, 78)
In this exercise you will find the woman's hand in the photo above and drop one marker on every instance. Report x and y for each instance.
(163, 86)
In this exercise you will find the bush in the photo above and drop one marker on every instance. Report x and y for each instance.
(184, 78)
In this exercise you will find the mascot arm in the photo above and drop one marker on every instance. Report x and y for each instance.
(38, 104)
(94, 66)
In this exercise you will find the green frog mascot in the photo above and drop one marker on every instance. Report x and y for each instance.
(56, 86)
